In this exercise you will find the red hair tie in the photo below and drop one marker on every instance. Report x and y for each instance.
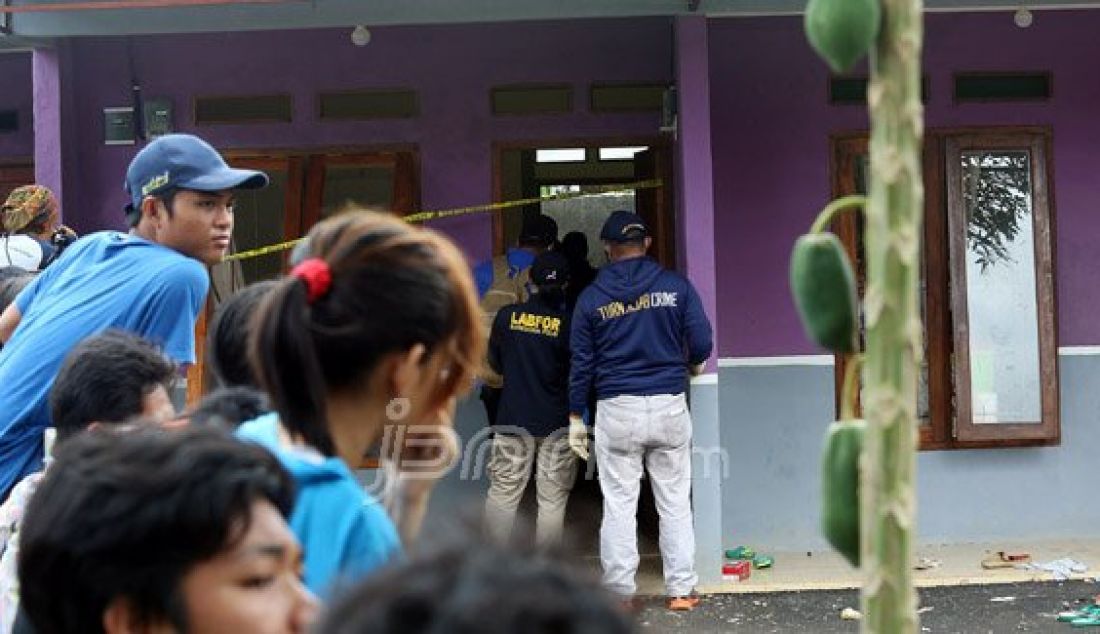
(317, 275)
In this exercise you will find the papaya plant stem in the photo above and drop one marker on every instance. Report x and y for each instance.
(893, 325)
(851, 387)
(825, 217)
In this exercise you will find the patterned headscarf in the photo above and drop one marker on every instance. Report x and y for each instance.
(26, 204)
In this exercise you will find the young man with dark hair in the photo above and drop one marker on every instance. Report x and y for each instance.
(106, 380)
(529, 347)
(152, 530)
(476, 589)
(638, 331)
(151, 282)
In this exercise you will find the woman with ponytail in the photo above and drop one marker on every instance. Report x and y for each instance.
(368, 341)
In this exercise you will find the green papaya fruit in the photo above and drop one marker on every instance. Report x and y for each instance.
(840, 487)
(842, 31)
(824, 289)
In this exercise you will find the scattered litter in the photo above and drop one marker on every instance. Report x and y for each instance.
(850, 614)
(926, 608)
(741, 552)
(1062, 569)
(736, 571)
(927, 563)
(1002, 559)
(1002, 599)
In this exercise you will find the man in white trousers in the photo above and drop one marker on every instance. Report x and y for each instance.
(638, 332)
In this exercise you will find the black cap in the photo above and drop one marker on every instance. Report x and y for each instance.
(550, 267)
(538, 229)
(623, 226)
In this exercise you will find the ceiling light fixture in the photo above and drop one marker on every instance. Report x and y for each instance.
(1023, 17)
(360, 36)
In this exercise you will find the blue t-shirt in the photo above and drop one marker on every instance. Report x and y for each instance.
(104, 280)
(344, 531)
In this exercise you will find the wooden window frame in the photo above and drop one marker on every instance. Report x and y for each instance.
(945, 429)
(1048, 428)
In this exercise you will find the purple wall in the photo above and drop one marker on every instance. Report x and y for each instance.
(15, 69)
(453, 68)
(771, 129)
(694, 169)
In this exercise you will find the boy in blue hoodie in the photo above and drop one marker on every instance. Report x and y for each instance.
(637, 333)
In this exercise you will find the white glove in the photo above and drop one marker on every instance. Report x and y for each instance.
(578, 437)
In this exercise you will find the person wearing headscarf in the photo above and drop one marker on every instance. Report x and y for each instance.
(30, 221)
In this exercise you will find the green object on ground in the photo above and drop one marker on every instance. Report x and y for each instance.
(840, 487)
(824, 289)
(1085, 611)
(741, 552)
(762, 561)
(1086, 621)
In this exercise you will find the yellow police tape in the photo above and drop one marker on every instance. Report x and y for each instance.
(424, 216)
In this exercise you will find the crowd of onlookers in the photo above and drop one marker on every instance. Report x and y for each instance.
(243, 513)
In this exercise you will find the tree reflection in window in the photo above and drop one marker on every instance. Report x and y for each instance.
(997, 195)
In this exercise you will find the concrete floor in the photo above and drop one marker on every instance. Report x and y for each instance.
(977, 609)
(958, 564)
(806, 592)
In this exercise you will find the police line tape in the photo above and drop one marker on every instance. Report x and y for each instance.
(424, 216)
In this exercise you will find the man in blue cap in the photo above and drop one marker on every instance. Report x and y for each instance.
(151, 281)
(638, 331)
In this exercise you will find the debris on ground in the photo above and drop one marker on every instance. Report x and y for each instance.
(1062, 568)
(1003, 559)
(927, 563)
(1002, 599)
(850, 614)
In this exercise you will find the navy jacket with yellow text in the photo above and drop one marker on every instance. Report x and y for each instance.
(529, 347)
(636, 330)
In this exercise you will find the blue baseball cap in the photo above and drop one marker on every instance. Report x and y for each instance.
(623, 226)
(182, 161)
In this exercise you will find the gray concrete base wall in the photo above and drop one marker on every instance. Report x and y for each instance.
(773, 423)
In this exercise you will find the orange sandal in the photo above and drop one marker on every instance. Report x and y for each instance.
(684, 604)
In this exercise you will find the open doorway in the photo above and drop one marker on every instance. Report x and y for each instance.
(537, 169)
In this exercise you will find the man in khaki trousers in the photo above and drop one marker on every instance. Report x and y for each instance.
(529, 347)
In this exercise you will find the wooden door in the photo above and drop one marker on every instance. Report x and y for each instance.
(377, 180)
(655, 205)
